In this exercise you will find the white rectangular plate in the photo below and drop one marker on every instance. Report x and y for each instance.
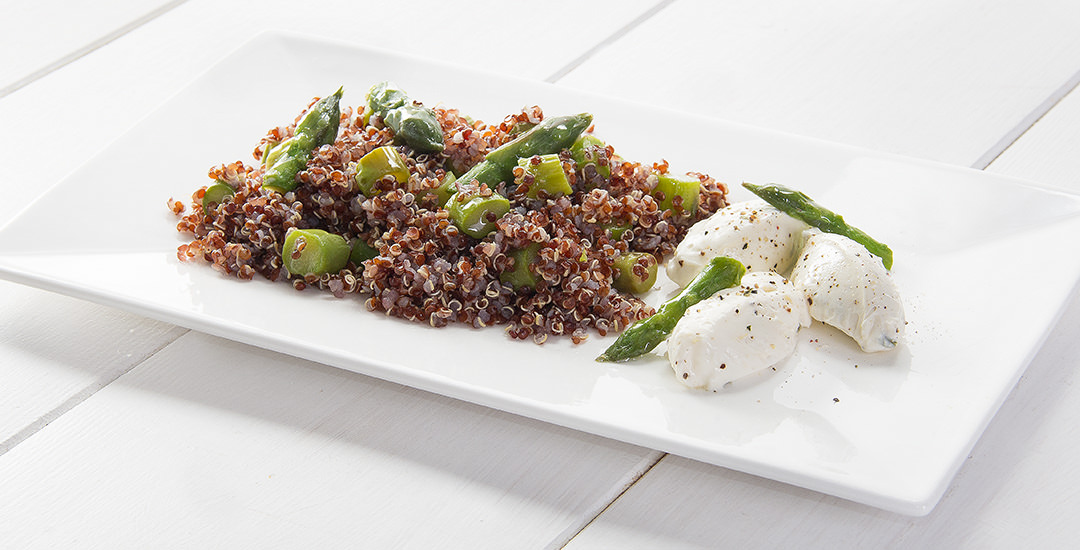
(889, 430)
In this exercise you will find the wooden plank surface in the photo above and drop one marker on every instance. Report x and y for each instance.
(55, 350)
(210, 443)
(1046, 153)
(42, 36)
(938, 80)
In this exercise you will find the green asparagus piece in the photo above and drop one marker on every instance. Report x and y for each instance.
(417, 127)
(669, 187)
(547, 175)
(273, 152)
(616, 230)
(628, 281)
(488, 173)
(413, 124)
(361, 251)
(318, 127)
(445, 190)
(376, 165)
(641, 337)
(797, 205)
(314, 252)
(589, 150)
(550, 136)
(215, 194)
(475, 214)
(521, 128)
(520, 276)
(322, 122)
(382, 97)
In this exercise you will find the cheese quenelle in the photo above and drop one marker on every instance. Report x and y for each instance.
(848, 287)
(738, 331)
(757, 234)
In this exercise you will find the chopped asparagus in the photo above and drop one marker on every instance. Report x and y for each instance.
(314, 252)
(589, 150)
(546, 174)
(520, 276)
(669, 187)
(445, 189)
(376, 165)
(636, 283)
(215, 195)
(361, 251)
(475, 213)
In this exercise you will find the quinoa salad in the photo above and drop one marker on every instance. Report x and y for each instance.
(399, 205)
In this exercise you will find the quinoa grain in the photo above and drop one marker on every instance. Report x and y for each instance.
(426, 270)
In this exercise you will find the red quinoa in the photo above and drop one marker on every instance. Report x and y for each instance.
(428, 271)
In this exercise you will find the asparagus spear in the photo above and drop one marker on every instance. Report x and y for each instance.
(474, 212)
(550, 136)
(721, 272)
(417, 127)
(413, 124)
(318, 127)
(382, 97)
(797, 205)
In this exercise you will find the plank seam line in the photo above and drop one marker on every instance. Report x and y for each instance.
(613, 37)
(74, 400)
(1027, 123)
(89, 48)
(645, 466)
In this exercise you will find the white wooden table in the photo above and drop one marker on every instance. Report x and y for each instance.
(121, 432)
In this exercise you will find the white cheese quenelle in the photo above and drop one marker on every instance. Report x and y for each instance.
(737, 331)
(849, 288)
(754, 232)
